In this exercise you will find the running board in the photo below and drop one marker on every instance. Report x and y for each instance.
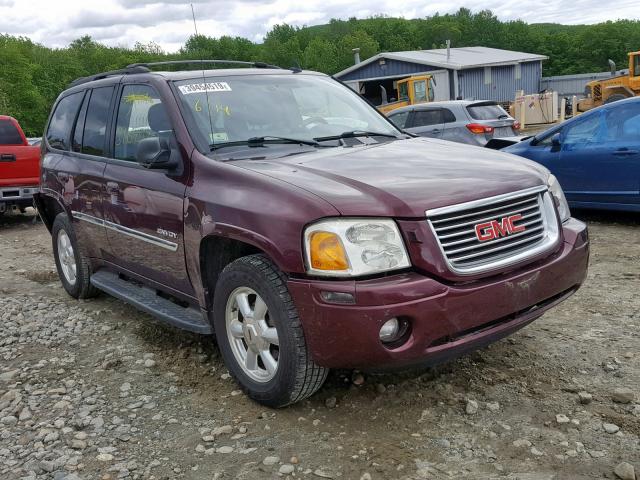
(147, 300)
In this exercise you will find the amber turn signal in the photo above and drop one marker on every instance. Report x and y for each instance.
(327, 252)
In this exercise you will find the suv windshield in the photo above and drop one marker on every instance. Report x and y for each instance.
(305, 107)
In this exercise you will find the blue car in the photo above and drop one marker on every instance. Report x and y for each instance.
(595, 156)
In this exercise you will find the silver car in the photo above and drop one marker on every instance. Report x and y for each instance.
(462, 121)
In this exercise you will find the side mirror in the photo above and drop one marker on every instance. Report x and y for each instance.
(556, 144)
(157, 152)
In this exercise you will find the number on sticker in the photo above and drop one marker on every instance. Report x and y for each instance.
(205, 87)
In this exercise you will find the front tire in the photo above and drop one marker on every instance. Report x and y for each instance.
(260, 335)
(74, 267)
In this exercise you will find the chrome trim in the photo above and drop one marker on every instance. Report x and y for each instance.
(145, 237)
(485, 201)
(533, 201)
(546, 242)
(528, 200)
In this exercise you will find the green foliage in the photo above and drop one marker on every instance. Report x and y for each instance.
(32, 76)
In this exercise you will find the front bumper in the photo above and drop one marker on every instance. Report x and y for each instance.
(447, 320)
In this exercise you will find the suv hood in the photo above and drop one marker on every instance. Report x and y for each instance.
(403, 178)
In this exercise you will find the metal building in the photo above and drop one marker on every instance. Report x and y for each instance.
(569, 85)
(480, 73)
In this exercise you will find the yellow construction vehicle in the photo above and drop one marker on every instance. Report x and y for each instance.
(412, 90)
(614, 88)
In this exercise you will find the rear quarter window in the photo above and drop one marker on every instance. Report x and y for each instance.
(487, 112)
(59, 131)
(9, 134)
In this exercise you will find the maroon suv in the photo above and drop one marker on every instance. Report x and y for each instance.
(280, 211)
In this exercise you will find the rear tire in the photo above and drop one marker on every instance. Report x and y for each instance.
(256, 322)
(615, 97)
(74, 267)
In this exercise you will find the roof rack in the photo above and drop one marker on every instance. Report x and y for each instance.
(131, 69)
(144, 68)
(186, 62)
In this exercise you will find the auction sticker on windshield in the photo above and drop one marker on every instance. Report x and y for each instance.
(205, 87)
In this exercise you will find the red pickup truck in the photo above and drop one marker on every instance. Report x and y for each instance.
(19, 167)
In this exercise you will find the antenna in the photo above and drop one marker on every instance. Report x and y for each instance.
(204, 80)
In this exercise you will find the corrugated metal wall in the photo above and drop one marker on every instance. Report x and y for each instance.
(569, 85)
(503, 85)
(389, 69)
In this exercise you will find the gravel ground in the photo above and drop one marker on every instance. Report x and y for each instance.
(96, 390)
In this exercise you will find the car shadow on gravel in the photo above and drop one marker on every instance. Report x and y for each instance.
(607, 217)
(9, 219)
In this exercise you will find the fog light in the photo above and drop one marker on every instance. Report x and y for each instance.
(389, 331)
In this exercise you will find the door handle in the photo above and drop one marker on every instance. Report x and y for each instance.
(7, 157)
(63, 177)
(624, 151)
(113, 187)
(435, 130)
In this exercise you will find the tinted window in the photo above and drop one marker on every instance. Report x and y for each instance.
(636, 66)
(95, 125)
(141, 115)
(486, 112)
(9, 134)
(422, 118)
(62, 120)
(448, 116)
(76, 144)
(399, 119)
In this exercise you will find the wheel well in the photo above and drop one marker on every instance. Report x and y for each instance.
(48, 209)
(215, 254)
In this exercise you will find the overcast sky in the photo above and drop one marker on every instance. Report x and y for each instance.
(168, 23)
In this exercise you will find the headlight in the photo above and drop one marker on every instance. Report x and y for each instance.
(558, 197)
(350, 247)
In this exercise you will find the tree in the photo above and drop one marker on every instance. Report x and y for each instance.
(321, 55)
(359, 39)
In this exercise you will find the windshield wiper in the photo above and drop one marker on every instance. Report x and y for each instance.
(354, 134)
(504, 115)
(267, 139)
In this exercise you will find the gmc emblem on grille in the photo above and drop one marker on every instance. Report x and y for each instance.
(495, 229)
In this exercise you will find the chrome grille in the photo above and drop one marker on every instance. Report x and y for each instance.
(523, 223)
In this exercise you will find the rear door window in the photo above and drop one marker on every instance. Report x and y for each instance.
(622, 123)
(9, 134)
(95, 125)
(423, 118)
(59, 131)
(487, 112)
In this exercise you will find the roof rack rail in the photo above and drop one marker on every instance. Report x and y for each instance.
(131, 69)
(186, 62)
